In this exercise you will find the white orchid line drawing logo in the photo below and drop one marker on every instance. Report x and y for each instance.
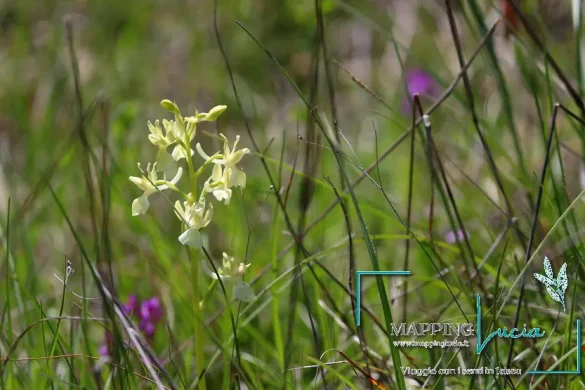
(555, 287)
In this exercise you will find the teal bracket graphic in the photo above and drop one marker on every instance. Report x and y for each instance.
(358, 288)
(552, 372)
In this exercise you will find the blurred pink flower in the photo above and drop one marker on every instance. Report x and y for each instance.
(104, 349)
(148, 314)
(419, 81)
(132, 306)
(452, 239)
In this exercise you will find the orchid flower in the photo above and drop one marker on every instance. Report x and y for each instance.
(195, 216)
(222, 180)
(230, 269)
(218, 185)
(163, 139)
(150, 185)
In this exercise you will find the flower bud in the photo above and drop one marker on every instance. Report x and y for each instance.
(172, 107)
(215, 113)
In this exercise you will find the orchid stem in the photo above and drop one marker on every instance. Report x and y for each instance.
(208, 292)
(197, 319)
(198, 309)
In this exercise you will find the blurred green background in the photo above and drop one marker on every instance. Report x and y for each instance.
(131, 55)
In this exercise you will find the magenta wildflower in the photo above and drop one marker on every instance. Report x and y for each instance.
(104, 350)
(419, 81)
(148, 313)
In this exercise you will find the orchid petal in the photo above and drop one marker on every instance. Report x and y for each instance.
(192, 238)
(201, 152)
(140, 205)
(179, 153)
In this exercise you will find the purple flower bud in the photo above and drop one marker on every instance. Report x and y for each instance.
(419, 81)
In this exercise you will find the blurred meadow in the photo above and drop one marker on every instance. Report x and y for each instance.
(441, 137)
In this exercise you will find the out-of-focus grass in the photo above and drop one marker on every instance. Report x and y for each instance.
(133, 54)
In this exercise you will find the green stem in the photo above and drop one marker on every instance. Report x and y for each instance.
(198, 328)
(192, 177)
(207, 163)
(197, 319)
(275, 296)
(208, 292)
